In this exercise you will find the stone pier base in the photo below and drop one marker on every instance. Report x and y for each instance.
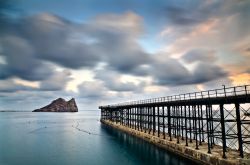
(199, 156)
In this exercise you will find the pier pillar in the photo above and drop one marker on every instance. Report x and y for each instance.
(238, 119)
(223, 131)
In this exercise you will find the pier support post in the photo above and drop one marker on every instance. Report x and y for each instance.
(169, 123)
(158, 116)
(140, 118)
(199, 123)
(190, 124)
(223, 131)
(182, 126)
(148, 120)
(145, 119)
(163, 118)
(208, 129)
(154, 120)
(186, 130)
(237, 107)
(195, 128)
(178, 124)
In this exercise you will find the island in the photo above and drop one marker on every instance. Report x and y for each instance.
(59, 105)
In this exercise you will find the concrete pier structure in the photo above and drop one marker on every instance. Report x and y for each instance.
(209, 127)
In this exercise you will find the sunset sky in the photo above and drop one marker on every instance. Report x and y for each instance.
(109, 51)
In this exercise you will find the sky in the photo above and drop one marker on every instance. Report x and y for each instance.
(111, 51)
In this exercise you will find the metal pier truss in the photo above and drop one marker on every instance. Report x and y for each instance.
(219, 117)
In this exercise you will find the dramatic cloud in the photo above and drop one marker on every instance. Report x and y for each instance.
(52, 40)
(205, 72)
(20, 60)
(191, 13)
(10, 86)
(56, 82)
(113, 82)
(92, 90)
(199, 55)
(117, 37)
(172, 72)
(130, 50)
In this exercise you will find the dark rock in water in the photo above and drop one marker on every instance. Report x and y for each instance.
(59, 105)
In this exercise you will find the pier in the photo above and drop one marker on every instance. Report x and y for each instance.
(208, 127)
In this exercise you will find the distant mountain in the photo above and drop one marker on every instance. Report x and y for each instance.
(59, 105)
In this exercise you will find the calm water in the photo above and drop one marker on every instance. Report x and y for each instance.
(28, 138)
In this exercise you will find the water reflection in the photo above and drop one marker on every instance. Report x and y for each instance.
(147, 153)
(72, 139)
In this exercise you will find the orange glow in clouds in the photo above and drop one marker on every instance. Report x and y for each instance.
(241, 79)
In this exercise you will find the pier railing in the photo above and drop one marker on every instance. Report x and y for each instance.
(218, 117)
(215, 93)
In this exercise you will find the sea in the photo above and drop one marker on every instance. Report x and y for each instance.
(45, 138)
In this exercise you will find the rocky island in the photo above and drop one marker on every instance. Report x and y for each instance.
(59, 105)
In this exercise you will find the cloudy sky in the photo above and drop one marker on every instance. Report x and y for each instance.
(109, 51)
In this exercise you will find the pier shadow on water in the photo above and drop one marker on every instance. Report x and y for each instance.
(147, 153)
